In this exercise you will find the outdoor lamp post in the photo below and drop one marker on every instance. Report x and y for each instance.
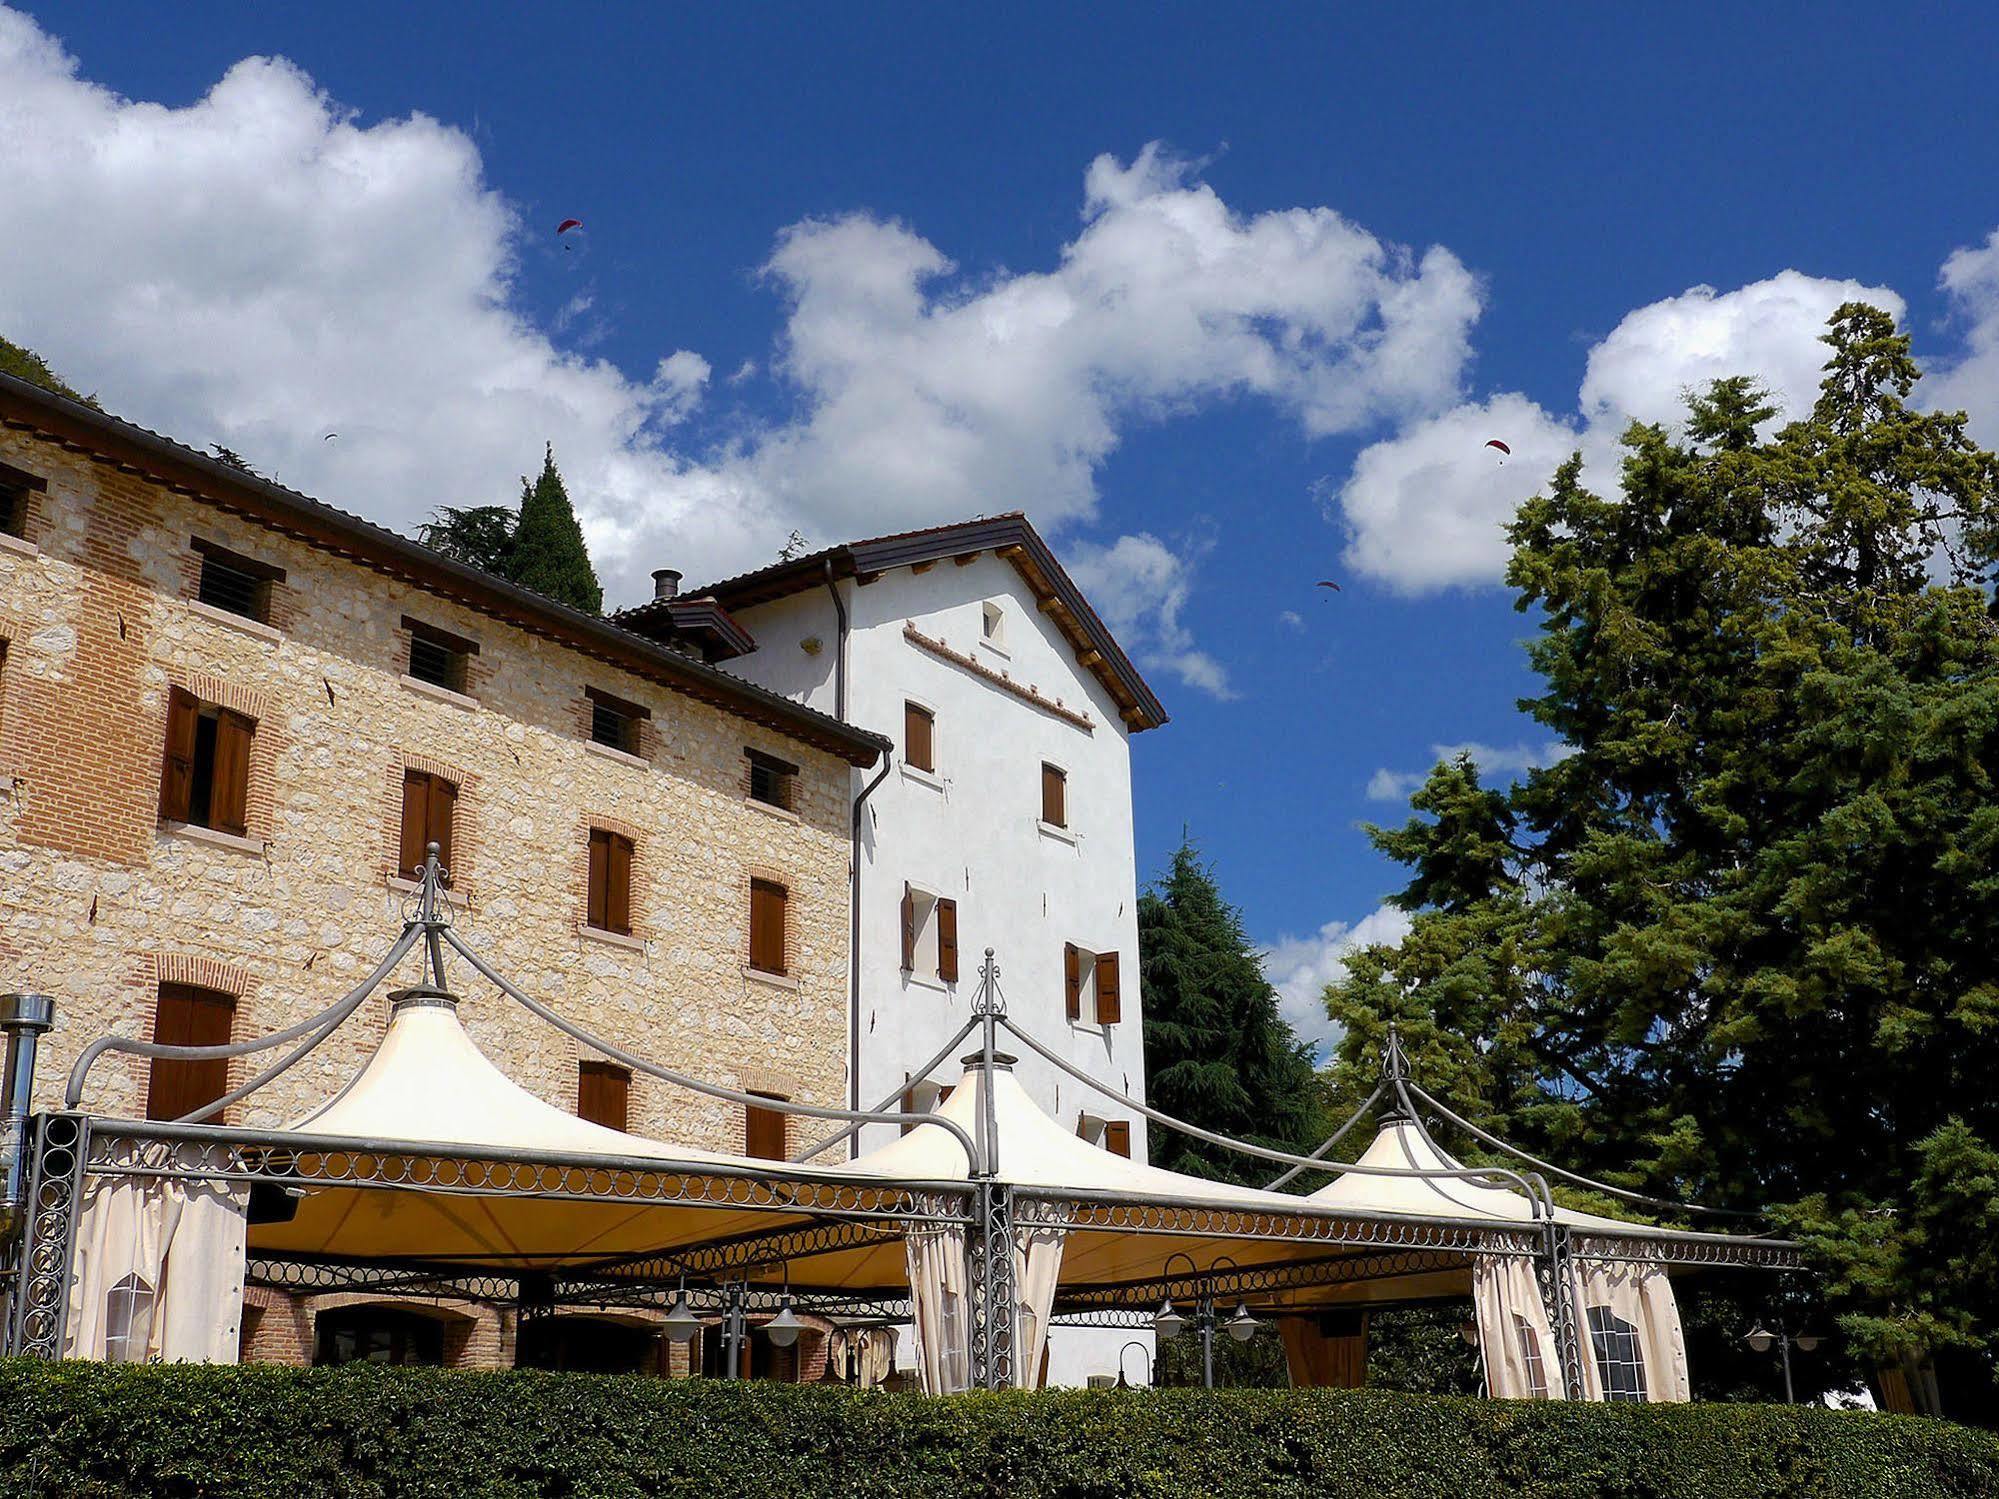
(1761, 1339)
(784, 1328)
(681, 1324)
(1122, 1382)
(1167, 1322)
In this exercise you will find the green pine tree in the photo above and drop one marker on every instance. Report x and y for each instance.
(1742, 944)
(548, 554)
(481, 536)
(1217, 1053)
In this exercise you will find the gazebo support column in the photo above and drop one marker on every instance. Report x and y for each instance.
(1554, 1271)
(990, 1284)
(46, 1250)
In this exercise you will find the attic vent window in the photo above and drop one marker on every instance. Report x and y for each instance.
(235, 584)
(614, 723)
(15, 487)
(437, 656)
(773, 782)
(992, 625)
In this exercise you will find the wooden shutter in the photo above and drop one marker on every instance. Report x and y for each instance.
(1110, 1007)
(187, 1016)
(1117, 1137)
(416, 817)
(908, 1107)
(177, 775)
(1072, 979)
(918, 743)
(437, 824)
(598, 880)
(603, 1094)
(764, 1131)
(908, 929)
(618, 885)
(947, 941)
(1054, 801)
(229, 782)
(767, 918)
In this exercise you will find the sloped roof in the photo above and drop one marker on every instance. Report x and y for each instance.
(1011, 536)
(27, 407)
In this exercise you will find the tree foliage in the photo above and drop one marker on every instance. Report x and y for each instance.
(1741, 945)
(26, 364)
(548, 554)
(1217, 1053)
(480, 536)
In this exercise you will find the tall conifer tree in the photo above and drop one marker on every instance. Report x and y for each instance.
(548, 554)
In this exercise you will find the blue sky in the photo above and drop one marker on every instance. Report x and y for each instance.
(853, 269)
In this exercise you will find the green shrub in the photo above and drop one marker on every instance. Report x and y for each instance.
(84, 1431)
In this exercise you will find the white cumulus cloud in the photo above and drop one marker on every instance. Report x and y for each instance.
(262, 266)
(1387, 785)
(1139, 585)
(1299, 968)
(1427, 508)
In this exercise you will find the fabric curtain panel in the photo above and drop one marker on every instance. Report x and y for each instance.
(938, 1294)
(1037, 1266)
(1522, 1359)
(1641, 1295)
(1324, 1360)
(158, 1276)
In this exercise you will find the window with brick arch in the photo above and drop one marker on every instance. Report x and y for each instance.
(430, 809)
(609, 907)
(769, 918)
(765, 1131)
(205, 775)
(603, 1094)
(187, 1015)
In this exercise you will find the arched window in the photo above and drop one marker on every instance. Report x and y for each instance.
(1530, 1357)
(1620, 1363)
(128, 1321)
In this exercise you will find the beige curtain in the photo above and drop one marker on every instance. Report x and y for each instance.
(1037, 1266)
(1327, 1351)
(937, 1291)
(1641, 1295)
(1522, 1359)
(158, 1273)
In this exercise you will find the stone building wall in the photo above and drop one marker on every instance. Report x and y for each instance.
(99, 903)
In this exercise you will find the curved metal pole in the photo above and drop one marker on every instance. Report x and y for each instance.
(335, 1012)
(1243, 1147)
(883, 1107)
(681, 1079)
(1331, 1140)
(1543, 1197)
(1570, 1176)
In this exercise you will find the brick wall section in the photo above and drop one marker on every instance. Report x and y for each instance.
(95, 896)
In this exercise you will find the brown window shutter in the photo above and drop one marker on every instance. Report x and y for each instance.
(177, 775)
(764, 1131)
(908, 929)
(603, 1094)
(1110, 1006)
(908, 1107)
(229, 796)
(618, 885)
(188, 1016)
(947, 941)
(1054, 798)
(767, 918)
(416, 817)
(443, 812)
(918, 737)
(599, 879)
(1072, 979)
(1117, 1137)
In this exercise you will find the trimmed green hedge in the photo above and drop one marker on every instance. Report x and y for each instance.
(81, 1431)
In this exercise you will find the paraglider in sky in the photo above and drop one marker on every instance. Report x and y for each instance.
(1329, 583)
(1496, 443)
(568, 224)
(329, 437)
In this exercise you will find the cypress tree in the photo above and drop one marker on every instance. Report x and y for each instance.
(548, 554)
(1217, 1053)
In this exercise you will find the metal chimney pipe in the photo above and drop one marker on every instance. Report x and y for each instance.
(23, 1017)
(666, 583)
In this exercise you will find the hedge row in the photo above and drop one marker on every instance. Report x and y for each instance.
(81, 1431)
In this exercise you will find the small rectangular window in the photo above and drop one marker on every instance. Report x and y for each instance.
(438, 656)
(603, 1094)
(430, 806)
(768, 915)
(205, 779)
(929, 934)
(765, 1133)
(773, 782)
(610, 898)
(185, 1015)
(992, 624)
(1054, 796)
(235, 584)
(16, 488)
(614, 723)
(919, 737)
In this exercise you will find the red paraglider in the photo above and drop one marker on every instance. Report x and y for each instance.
(1496, 443)
(568, 224)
